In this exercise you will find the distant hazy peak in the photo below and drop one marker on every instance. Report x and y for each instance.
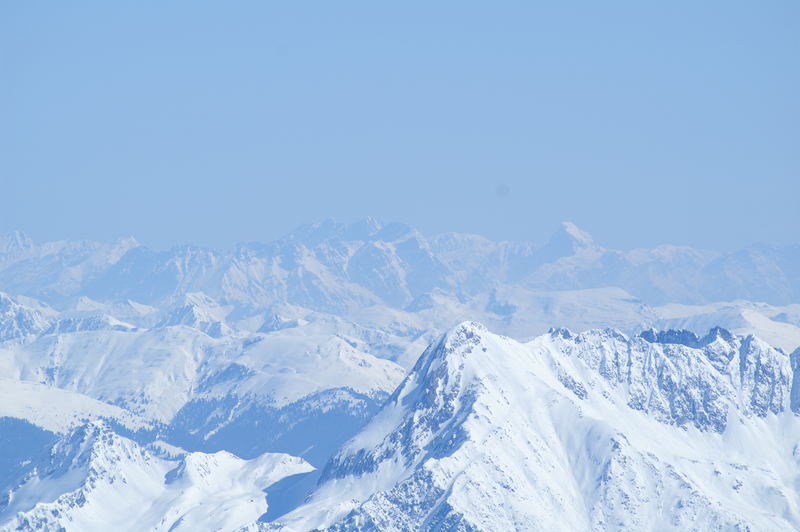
(14, 240)
(362, 229)
(128, 242)
(565, 242)
(575, 233)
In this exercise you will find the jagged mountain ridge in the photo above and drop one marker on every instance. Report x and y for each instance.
(593, 431)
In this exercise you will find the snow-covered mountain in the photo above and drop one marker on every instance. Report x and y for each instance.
(19, 321)
(94, 479)
(334, 267)
(568, 431)
(592, 431)
(134, 359)
(207, 392)
(337, 271)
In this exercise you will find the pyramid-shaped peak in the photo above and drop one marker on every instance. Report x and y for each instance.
(465, 330)
(574, 233)
(128, 242)
(452, 345)
(567, 241)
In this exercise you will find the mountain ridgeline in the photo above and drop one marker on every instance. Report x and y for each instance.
(569, 431)
(590, 431)
(334, 267)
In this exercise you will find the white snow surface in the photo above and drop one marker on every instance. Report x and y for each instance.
(58, 410)
(153, 373)
(596, 431)
(96, 480)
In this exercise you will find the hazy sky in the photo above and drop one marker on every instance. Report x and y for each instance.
(218, 122)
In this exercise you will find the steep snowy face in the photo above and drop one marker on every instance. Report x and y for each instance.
(18, 321)
(94, 479)
(678, 378)
(573, 432)
(438, 390)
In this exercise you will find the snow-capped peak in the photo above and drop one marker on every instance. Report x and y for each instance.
(567, 241)
(95, 479)
(571, 432)
(17, 320)
(15, 241)
(576, 234)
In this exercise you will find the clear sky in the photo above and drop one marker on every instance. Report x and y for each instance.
(217, 122)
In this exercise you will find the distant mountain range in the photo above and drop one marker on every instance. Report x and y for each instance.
(367, 272)
(333, 267)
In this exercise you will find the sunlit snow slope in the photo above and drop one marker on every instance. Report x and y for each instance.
(96, 480)
(593, 431)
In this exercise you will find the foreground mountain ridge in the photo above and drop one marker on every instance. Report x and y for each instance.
(590, 431)
(594, 431)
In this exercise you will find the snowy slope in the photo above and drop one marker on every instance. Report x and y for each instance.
(155, 372)
(247, 394)
(94, 479)
(594, 431)
(59, 410)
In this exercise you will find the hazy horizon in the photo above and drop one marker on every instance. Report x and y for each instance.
(187, 122)
(233, 243)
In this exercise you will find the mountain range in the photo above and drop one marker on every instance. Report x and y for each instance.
(251, 388)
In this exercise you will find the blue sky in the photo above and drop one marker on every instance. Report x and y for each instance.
(214, 123)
